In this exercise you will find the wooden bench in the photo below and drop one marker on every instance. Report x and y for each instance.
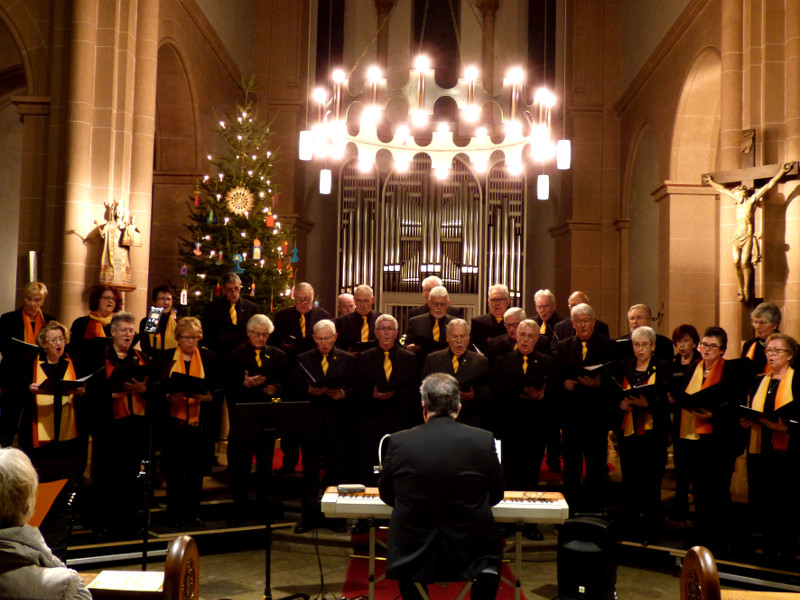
(181, 576)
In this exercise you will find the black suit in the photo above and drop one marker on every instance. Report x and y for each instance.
(424, 309)
(473, 371)
(420, 332)
(664, 348)
(483, 328)
(523, 423)
(759, 359)
(564, 330)
(379, 417)
(348, 329)
(219, 332)
(328, 422)
(505, 343)
(241, 450)
(442, 527)
(586, 417)
(289, 337)
(555, 318)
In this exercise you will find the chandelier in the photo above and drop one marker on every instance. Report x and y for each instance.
(526, 134)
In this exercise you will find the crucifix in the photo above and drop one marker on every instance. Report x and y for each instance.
(745, 244)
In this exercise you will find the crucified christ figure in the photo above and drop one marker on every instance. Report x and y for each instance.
(746, 252)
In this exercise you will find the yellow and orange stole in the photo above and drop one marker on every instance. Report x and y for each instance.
(188, 410)
(169, 335)
(751, 354)
(94, 328)
(783, 396)
(643, 420)
(692, 427)
(121, 407)
(44, 425)
(32, 331)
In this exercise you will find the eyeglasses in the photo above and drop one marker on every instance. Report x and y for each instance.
(59, 340)
(189, 337)
(386, 329)
(498, 300)
(583, 321)
(458, 337)
(324, 340)
(259, 334)
(775, 351)
(706, 346)
(439, 304)
(302, 300)
(112, 298)
(759, 322)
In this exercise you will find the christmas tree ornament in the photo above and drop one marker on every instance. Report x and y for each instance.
(256, 249)
(217, 290)
(197, 197)
(270, 220)
(212, 217)
(240, 200)
(197, 251)
(219, 258)
(184, 296)
(184, 271)
(294, 258)
(253, 289)
(237, 268)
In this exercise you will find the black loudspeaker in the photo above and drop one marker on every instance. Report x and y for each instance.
(587, 566)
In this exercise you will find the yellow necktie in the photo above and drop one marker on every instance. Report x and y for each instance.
(455, 364)
(498, 319)
(524, 363)
(436, 331)
(302, 325)
(233, 313)
(387, 364)
(364, 329)
(258, 356)
(543, 328)
(584, 349)
(324, 364)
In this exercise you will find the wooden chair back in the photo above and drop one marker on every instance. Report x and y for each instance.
(699, 576)
(182, 570)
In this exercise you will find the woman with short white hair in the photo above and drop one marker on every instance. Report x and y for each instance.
(35, 572)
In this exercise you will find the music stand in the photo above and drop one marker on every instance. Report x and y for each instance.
(269, 420)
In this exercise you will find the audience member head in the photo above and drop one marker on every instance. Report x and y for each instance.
(18, 483)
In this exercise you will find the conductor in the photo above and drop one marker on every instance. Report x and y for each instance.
(442, 478)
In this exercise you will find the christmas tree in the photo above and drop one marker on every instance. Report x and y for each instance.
(234, 226)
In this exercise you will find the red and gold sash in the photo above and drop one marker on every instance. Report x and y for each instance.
(169, 335)
(783, 396)
(94, 328)
(32, 332)
(644, 419)
(121, 407)
(191, 406)
(692, 427)
(44, 425)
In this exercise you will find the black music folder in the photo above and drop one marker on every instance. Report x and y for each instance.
(754, 415)
(187, 384)
(707, 399)
(122, 375)
(49, 386)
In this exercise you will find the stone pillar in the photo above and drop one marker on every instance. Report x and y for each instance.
(78, 192)
(730, 310)
(791, 81)
(688, 281)
(141, 185)
(488, 9)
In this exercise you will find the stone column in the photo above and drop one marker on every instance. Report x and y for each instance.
(791, 79)
(78, 192)
(141, 185)
(488, 9)
(730, 310)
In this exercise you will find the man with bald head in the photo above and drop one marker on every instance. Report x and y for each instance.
(564, 328)
(428, 284)
(485, 327)
(356, 330)
(345, 304)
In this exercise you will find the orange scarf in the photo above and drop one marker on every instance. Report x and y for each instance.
(191, 406)
(783, 396)
(693, 427)
(131, 403)
(169, 335)
(94, 328)
(644, 419)
(32, 332)
(751, 354)
(44, 425)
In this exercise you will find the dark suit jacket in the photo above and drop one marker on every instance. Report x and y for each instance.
(473, 371)
(503, 343)
(423, 309)
(517, 416)
(759, 358)
(399, 411)
(554, 320)
(442, 527)
(326, 416)
(160, 368)
(219, 332)
(586, 406)
(243, 359)
(483, 328)
(564, 330)
(12, 326)
(420, 332)
(288, 336)
(348, 328)
(664, 348)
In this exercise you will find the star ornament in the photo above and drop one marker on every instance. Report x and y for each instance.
(240, 200)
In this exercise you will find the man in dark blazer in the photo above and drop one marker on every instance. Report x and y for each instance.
(426, 333)
(387, 394)
(428, 284)
(225, 318)
(508, 341)
(546, 315)
(356, 330)
(442, 478)
(490, 325)
(470, 369)
(325, 377)
(564, 328)
(587, 404)
(255, 372)
(294, 326)
(638, 315)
